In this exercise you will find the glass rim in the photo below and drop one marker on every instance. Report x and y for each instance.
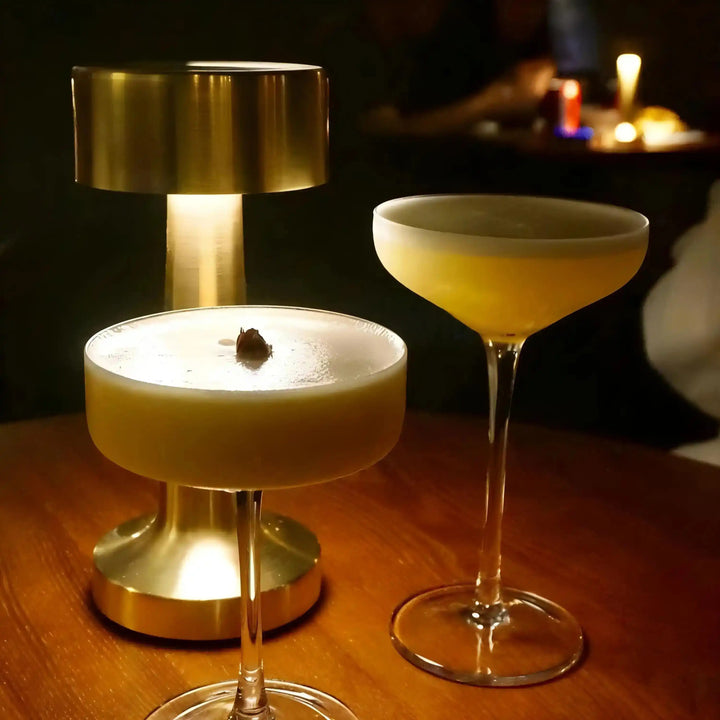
(637, 226)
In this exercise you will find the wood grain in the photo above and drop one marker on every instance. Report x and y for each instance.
(623, 536)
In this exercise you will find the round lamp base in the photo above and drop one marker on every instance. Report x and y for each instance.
(531, 641)
(183, 583)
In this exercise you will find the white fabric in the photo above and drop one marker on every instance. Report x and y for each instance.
(681, 320)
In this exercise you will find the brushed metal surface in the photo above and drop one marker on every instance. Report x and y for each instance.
(236, 127)
(174, 575)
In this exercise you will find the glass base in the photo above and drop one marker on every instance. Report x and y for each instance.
(288, 701)
(529, 640)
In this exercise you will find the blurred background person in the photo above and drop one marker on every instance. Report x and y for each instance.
(433, 67)
(464, 62)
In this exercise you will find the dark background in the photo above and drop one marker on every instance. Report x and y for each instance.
(74, 260)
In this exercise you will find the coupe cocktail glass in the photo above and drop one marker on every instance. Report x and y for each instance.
(506, 267)
(168, 397)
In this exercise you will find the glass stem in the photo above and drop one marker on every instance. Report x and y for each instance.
(502, 360)
(250, 701)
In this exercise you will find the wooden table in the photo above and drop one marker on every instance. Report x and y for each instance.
(623, 536)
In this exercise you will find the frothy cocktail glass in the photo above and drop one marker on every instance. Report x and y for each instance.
(505, 266)
(168, 397)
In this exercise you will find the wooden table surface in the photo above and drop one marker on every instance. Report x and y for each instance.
(625, 537)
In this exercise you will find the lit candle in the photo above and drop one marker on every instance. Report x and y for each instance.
(570, 101)
(167, 397)
(628, 71)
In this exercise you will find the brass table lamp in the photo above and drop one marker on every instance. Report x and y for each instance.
(202, 133)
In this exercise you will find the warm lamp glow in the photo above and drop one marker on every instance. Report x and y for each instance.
(657, 132)
(625, 132)
(205, 264)
(628, 71)
(208, 571)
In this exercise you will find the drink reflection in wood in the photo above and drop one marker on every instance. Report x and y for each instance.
(506, 267)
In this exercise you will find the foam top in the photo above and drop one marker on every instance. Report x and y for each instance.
(509, 225)
(195, 349)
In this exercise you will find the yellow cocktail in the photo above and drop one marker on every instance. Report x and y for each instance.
(506, 267)
(507, 276)
(180, 397)
(167, 398)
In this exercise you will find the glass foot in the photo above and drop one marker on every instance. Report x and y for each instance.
(288, 701)
(532, 639)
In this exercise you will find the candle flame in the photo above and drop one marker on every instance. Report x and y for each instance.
(628, 65)
(628, 71)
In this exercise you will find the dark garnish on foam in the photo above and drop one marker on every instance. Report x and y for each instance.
(251, 345)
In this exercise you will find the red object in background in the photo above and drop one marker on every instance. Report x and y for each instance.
(570, 101)
(561, 106)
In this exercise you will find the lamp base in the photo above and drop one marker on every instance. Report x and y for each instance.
(164, 579)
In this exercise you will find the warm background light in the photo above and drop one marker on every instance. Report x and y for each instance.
(628, 71)
(570, 89)
(625, 132)
(657, 125)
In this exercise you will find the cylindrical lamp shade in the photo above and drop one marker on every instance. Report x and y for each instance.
(201, 128)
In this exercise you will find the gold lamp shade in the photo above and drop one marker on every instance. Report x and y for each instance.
(201, 127)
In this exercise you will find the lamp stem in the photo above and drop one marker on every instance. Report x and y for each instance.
(205, 263)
